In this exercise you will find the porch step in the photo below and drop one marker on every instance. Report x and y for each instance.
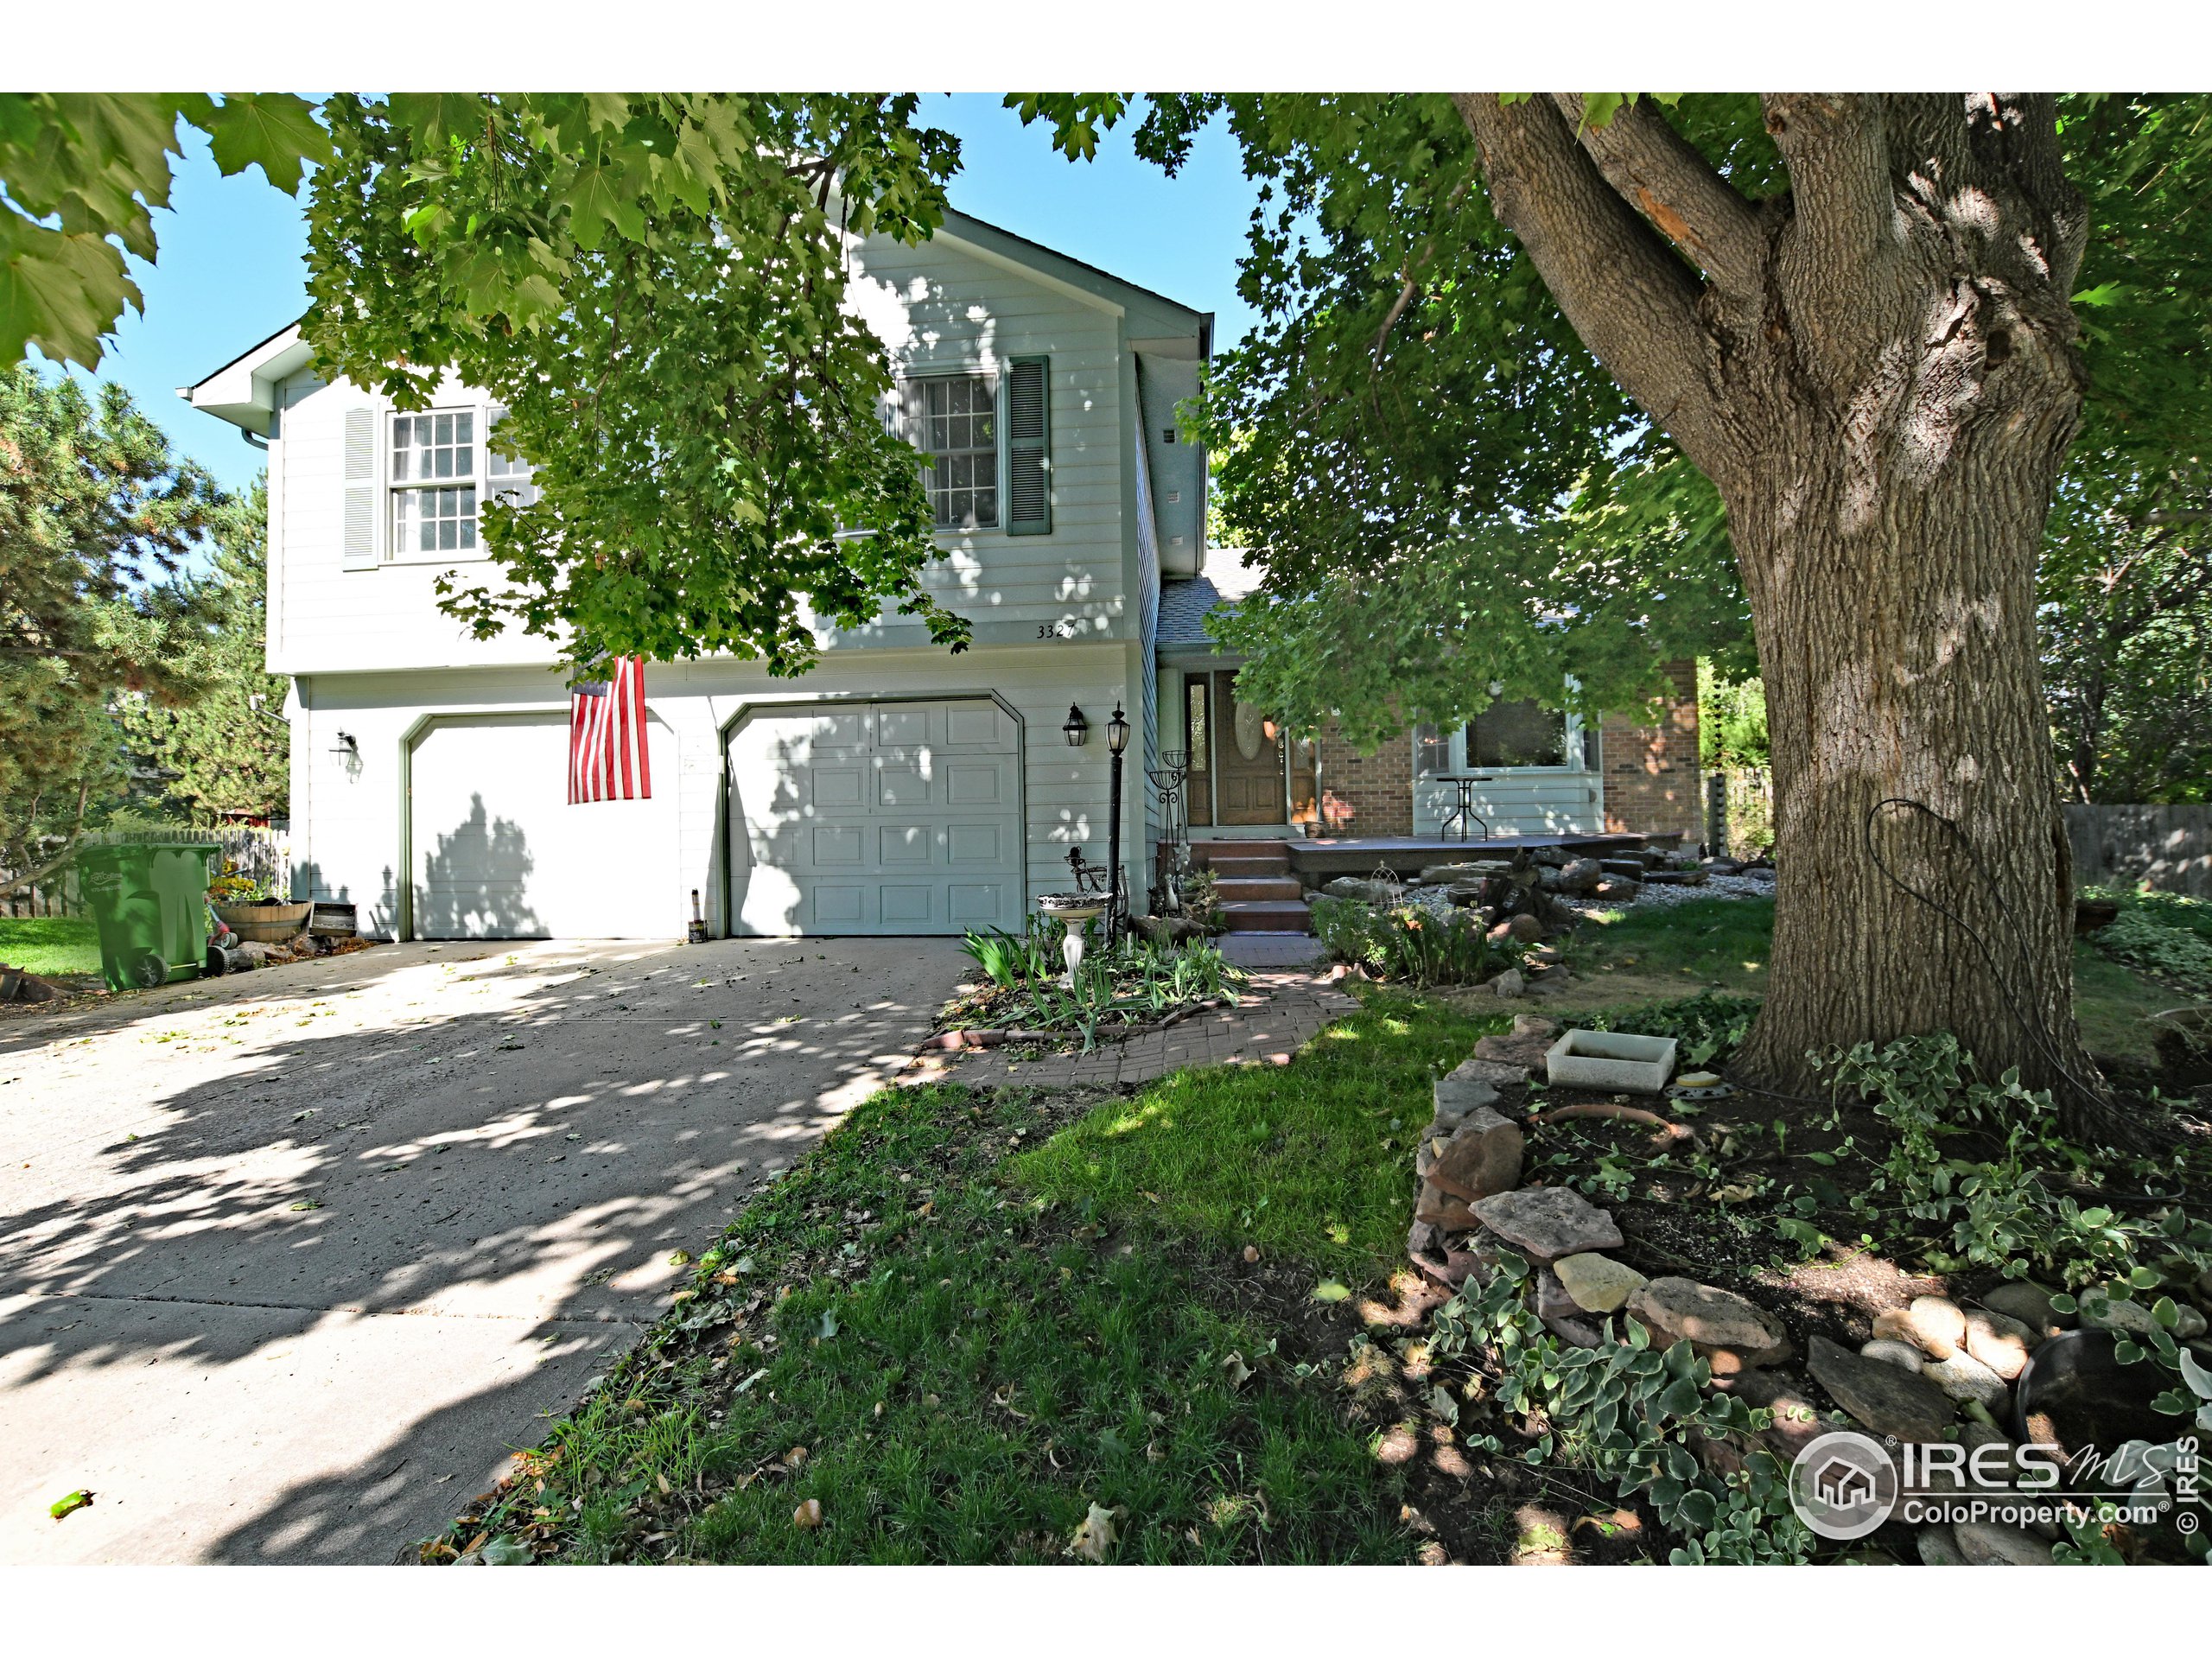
(1267, 916)
(1260, 865)
(1238, 888)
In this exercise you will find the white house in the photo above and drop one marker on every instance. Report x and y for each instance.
(894, 788)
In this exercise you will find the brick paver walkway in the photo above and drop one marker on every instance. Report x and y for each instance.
(1280, 1011)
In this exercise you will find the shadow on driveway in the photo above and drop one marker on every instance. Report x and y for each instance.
(288, 1262)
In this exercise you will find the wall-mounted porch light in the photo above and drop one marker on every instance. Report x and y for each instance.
(1076, 726)
(347, 747)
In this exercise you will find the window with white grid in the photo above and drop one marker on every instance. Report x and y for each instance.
(953, 419)
(434, 483)
(506, 478)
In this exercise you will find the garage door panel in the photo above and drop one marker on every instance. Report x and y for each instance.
(899, 835)
(498, 853)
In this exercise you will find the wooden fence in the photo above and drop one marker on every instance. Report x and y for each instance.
(264, 855)
(2168, 846)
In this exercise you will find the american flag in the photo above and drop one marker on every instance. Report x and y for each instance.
(607, 756)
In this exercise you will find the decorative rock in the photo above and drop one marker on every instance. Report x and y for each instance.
(1361, 890)
(1986, 1543)
(1482, 1158)
(1510, 985)
(1597, 1284)
(1579, 875)
(1885, 1398)
(2103, 1310)
(1491, 1074)
(1444, 876)
(1525, 1049)
(1631, 867)
(1712, 1319)
(1422, 1237)
(1458, 1096)
(1797, 1423)
(1890, 1351)
(1619, 889)
(1552, 1300)
(1677, 878)
(1937, 1326)
(1999, 1341)
(2029, 1303)
(1441, 1210)
(1546, 1222)
(1525, 928)
(1938, 1547)
(1964, 1377)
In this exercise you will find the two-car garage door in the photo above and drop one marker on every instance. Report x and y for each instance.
(882, 817)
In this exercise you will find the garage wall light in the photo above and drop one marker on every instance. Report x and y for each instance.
(347, 747)
(1076, 726)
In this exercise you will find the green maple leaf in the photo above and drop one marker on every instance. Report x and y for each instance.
(274, 129)
(59, 292)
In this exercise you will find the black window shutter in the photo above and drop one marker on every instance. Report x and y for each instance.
(1029, 446)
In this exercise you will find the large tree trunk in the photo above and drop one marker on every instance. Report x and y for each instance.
(1879, 372)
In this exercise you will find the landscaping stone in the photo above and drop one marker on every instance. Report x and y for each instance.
(1988, 1543)
(1422, 1237)
(1531, 1038)
(1964, 1377)
(1445, 874)
(2102, 1309)
(1618, 889)
(1597, 1283)
(2029, 1303)
(1495, 1074)
(1546, 1222)
(1443, 1211)
(1525, 928)
(1797, 1422)
(1481, 1157)
(1631, 867)
(1938, 1324)
(1510, 985)
(1885, 1398)
(1361, 889)
(1459, 1094)
(1890, 1351)
(1999, 1341)
(1579, 875)
(1677, 878)
(1712, 1319)
(1939, 1546)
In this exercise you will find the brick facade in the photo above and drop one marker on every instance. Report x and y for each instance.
(1652, 778)
(1378, 787)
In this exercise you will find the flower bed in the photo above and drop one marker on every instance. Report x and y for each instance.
(1134, 985)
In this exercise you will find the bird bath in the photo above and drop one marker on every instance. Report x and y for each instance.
(1071, 911)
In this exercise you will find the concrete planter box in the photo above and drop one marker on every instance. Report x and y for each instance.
(1610, 1060)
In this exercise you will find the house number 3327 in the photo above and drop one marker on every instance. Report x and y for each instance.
(1055, 630)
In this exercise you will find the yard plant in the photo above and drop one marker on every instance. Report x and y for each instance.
(1132, 982)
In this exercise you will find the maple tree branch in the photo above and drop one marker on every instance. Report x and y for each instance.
(1663, 177)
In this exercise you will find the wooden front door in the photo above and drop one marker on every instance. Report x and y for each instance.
(1248, 763)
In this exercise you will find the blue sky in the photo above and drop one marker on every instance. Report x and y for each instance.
(233, 266)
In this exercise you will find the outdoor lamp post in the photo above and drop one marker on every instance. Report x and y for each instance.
(1117, 739)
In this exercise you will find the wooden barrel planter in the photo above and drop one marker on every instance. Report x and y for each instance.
(264, 923)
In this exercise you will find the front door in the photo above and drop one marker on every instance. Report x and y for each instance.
(1247, 762)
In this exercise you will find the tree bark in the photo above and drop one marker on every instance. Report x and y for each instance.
(1881, 374)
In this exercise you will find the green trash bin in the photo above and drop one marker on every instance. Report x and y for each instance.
(149, 901)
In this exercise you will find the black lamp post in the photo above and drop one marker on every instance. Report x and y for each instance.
(1117, 739)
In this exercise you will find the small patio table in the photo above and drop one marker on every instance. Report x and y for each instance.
(1463, 811)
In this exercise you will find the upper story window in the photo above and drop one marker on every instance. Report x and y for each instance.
(953, 419)
(434, 457)
(444, 461)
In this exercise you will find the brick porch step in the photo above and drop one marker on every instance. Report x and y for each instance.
(1267, 916)
(1231, 889)
(1259, 865)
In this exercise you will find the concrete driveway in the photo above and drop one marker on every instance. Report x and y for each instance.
(288, 1262)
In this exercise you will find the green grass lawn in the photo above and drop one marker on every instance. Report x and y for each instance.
(982, 1314)
(50, 944)
(1624, 957)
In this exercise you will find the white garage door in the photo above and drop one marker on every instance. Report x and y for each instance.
(884, 817)
(500, 853)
